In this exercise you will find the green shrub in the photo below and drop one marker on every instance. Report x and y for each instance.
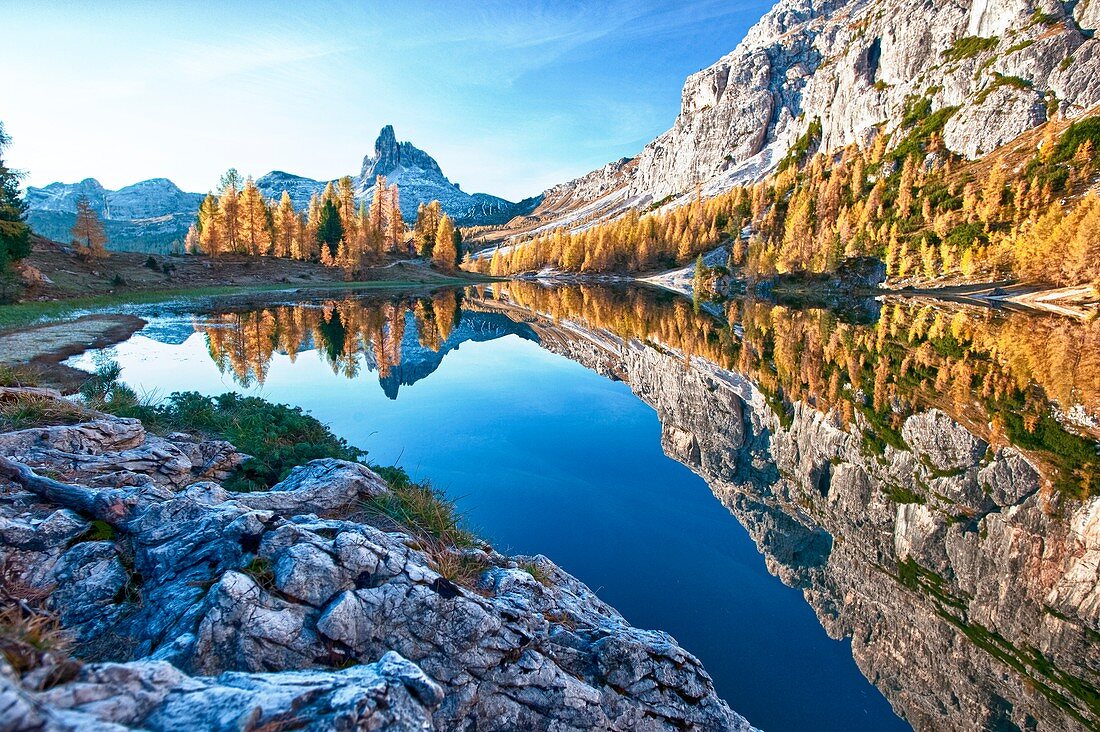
(277, 436)
(900, 494)
(924, 127)
(969, 47)
(802, 146)
(965, 236)
(1041, 18)
(1000, 80)
(99, 531)
(1077, 134)
(915, 110)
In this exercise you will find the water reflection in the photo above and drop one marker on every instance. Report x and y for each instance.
(926, 476)
(402, 339)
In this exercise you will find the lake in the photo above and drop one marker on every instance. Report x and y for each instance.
(745, 477)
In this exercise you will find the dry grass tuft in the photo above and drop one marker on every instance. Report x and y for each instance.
(423, 511)
(460, 567)
(30, 636)
(23, 411)
(536, 571)
(17, 376)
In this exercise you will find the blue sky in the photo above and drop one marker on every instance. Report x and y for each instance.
(510, 97)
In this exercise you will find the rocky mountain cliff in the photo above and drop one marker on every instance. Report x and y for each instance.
(154, 215)
(854, 68)
(420, 179)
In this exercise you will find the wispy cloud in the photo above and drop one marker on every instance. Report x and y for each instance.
(506, 94)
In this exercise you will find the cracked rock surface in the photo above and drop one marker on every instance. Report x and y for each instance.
(225, 610)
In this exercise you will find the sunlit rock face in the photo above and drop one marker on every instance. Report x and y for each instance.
(969, 587)
(852, 66)
(194, 607)
(420, 180)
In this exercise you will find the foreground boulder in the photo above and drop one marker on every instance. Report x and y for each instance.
(302, 605)
(391, 694)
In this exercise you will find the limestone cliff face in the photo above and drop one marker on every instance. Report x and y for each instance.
(970, 593)
(852, 65)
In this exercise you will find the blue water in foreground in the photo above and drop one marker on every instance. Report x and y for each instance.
(545, 456)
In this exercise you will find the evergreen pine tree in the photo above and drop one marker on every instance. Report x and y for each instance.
(329, 229)
(15, 235)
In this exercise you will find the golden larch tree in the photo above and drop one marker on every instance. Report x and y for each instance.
(89, 237)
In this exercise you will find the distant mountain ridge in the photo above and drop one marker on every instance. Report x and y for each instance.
(149, 215)
(154, 215)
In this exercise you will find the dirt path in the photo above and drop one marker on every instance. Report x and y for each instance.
(41, 349)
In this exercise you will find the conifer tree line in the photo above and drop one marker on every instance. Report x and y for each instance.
(925, 211)
(335, 229)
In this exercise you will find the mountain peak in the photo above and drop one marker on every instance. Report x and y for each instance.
(387, 153)
(391, 155)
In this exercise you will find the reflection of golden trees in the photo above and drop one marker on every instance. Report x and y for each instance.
(1001, 370)
(913, 346)
(631, 313)
(243, 343)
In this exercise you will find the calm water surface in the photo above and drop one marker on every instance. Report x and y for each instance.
(540, 411)
(546, 456)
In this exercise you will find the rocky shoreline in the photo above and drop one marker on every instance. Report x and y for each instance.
(292, 608)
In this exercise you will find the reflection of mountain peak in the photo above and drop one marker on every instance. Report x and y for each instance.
(171, 331)
(419, 362)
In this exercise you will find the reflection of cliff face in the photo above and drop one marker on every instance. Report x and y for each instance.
(969, 585)
(402, 339)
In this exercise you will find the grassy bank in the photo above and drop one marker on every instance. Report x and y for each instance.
(21, 315)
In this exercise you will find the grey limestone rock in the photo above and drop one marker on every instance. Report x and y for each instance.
(235, 610)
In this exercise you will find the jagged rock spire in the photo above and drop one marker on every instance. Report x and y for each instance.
(389, 155)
